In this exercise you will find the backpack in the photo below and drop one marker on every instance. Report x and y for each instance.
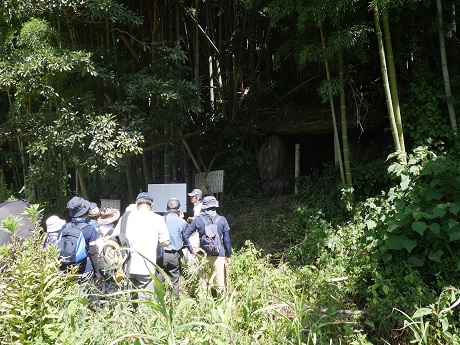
(50, 239)
(115, 257)
(210, 239)
(71, 244)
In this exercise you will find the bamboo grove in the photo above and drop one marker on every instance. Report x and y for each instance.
(132, 92)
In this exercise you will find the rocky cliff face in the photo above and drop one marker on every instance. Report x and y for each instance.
(276, 166)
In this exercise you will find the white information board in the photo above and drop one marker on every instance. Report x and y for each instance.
(161, 193)
(215, 181)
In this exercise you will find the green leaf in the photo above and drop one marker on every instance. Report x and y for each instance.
(417, 215)
(454, 208)
(386, 257)
(385, 289)
(419, 227)
(394, 224)
(435, 256)
(409, 245)
(444, 323)
(415, 261)
(454, 236)
(438, 212)
(396, 242)
(422, 312)
(433, 194)
(435, 182)
(435, 227)
(400, 205)
(452, 223)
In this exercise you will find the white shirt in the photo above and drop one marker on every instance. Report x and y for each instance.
(104, 229)
(144, 230)
(197, 209)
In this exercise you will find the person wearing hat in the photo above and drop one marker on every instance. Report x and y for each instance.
(146, 231)
(78, 210)
(196, 196)
(54, 224)
(170, 262)
(216, 262)
(106, 220)
(106, 224)
(93, 214)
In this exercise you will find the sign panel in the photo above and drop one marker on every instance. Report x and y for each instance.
(215, 181)
(110, 203)
(161, 193)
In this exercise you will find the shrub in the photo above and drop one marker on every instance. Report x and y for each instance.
(38, 304)
(421, 221)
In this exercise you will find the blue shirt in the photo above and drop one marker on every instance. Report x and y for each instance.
(94, 223)
(176, 227)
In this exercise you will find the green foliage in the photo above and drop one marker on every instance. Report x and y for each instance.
(5, 193)
(436, 323)
(244, 182)
(370, 178)
(421, 221)
(422, 107)
(321, 190)
(37, 34)
(11, 223)
(38, 304)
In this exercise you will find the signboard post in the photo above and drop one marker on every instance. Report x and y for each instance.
(110, 203)
(215, 180)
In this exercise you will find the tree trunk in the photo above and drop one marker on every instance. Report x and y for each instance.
(393, 82)
(343, 115)
(129, 179)
(197, 41)
(192, 157)
(386, 85)
(445, 70)
(145, 170)
(334, 123)
(166, 175)
(84, 190)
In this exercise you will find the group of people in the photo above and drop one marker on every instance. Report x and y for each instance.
(151, 238)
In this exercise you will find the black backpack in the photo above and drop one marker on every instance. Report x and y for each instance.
(71, 244)
(210, 239)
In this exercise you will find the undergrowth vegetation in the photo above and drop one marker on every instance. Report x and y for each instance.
(322, 267)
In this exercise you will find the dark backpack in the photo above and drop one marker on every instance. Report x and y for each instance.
(71, 244)
(210, 239)
(115, 256)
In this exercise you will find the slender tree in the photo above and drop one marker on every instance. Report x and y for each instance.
(445, 70)
(343, 116)
(386, 84)
(392, 81)
(331, 102)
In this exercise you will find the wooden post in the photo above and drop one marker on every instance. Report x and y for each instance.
(297, 167)
(205, 182)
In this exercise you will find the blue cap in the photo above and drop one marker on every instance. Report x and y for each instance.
(144, 197)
